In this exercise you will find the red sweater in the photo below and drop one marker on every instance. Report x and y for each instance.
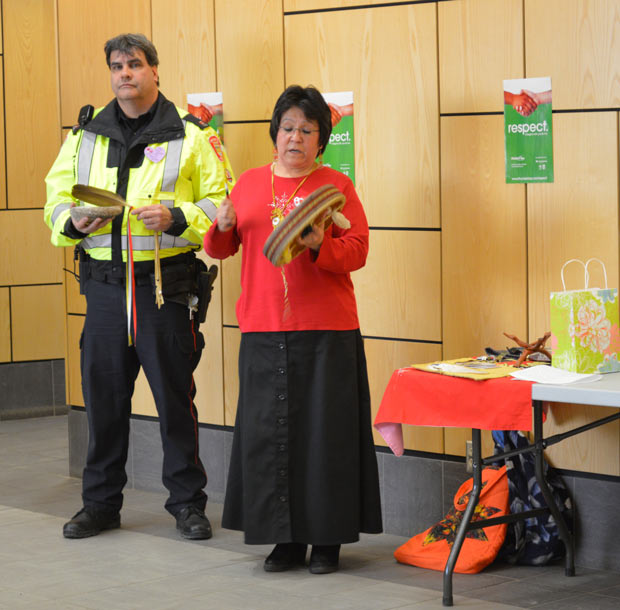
(320, 290)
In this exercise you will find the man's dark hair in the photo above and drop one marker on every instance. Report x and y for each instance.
(310, 101)
(128, 43)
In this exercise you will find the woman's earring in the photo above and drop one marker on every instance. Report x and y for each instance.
(275, 153)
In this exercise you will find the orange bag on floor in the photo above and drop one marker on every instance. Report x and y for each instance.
(431, 548)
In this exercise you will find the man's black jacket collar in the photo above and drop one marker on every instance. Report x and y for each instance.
(165, 126)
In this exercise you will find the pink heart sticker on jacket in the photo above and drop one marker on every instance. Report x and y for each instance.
(155, 154)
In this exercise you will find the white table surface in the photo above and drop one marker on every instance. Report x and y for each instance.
(605, 392)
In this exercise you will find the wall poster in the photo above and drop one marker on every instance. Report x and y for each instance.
(340, 152)
(528, 130)
(209, 109)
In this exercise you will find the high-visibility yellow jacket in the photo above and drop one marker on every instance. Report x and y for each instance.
(176, 161)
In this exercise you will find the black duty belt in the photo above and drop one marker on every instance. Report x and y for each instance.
(110, 273)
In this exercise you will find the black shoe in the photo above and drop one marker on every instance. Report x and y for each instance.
(193, 524)
(286, 556)
(89, 522)
(324, 559)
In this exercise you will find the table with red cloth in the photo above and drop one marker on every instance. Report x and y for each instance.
(419, 398)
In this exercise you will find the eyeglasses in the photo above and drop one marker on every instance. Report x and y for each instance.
(304, 132)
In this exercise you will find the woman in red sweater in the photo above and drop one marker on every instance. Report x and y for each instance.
(303, 467)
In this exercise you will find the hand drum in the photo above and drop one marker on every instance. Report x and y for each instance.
(281, 246)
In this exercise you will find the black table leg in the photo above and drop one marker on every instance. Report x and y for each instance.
(553, 507)
(467, 515)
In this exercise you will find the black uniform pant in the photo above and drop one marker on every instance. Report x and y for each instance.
(168, 346)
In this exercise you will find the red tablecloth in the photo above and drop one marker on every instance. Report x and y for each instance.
(429, 399)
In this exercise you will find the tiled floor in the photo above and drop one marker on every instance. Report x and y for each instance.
(146, 565)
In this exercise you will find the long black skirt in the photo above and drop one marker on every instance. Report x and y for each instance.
(303, 465)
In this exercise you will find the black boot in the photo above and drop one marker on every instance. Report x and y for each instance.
(193, 524)
(89, 522)
(286, 556)
(324, 558)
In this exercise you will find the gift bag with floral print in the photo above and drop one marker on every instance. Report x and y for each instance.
(584, 327)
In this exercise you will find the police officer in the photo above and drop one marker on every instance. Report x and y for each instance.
(171, 169)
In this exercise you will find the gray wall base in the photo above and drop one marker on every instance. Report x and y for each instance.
(32, 389)
(416, 492)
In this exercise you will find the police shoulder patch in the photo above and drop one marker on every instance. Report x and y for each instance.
(217, 147)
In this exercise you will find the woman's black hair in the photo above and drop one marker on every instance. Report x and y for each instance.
(310, 101)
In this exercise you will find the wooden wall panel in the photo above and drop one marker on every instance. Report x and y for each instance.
(250, 61)
(388, 58)
(83, 29)
(396, 59)
(480, 45)
(73, 380)
(37, 322)
(455, 439)
(577, 215)
(2, 140)
(583, 60)
(383, 358)
(308, 5)
(76, 303)
(232, 340)
(231, 288)
(483, 239)
(31, 99)
(209, 375)
(184, 34)
(25, 232)
(5, 325)
(593, 451)
(399, 290)
(248, 146)
(142, 402)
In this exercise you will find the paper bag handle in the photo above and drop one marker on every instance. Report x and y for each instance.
(585, 271)
(602, 265)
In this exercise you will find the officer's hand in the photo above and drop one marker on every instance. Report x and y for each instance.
(89, 225)
(226, 216)
(155, 217)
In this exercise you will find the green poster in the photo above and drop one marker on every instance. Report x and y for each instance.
(340, 152)
(528, 130)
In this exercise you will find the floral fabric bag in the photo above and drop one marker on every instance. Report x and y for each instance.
(584, 327)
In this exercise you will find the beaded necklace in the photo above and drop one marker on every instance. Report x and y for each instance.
(277, 214)
(278, 209)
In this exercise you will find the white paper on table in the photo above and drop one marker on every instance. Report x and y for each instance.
(550, 374)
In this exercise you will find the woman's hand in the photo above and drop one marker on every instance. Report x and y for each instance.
(226, 216)
(314, 238)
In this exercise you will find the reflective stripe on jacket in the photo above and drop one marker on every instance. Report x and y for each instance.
(187, 172)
